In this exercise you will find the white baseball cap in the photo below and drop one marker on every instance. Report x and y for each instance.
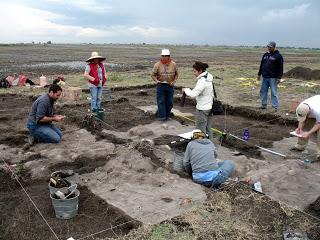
(165, 52)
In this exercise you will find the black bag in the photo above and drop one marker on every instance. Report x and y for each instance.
(4, 83)
(217, 107)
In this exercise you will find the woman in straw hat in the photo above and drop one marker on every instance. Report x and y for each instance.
(96, 75)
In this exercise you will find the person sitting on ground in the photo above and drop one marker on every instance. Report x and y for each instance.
(200, 162)
(60, 80)
(41, 117)
(308, 116)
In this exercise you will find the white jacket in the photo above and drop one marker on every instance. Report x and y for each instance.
(203, 91)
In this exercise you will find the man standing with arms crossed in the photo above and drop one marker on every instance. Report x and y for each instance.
(271, 69)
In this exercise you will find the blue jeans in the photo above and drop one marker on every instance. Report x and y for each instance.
(273, 84)
(226, 168)
(164, 100)
(45, 133)
(96, 93)
(204, 122)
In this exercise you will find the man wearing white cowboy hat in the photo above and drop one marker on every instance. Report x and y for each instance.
(96, 75)
(165, 74)
(308, 116)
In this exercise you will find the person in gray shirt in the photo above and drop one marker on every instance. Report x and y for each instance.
(200, 162)
(41, 117)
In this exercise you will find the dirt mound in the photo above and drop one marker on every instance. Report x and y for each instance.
(303, 73)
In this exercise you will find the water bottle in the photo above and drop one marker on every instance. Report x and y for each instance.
(306, 163)
(246, 134)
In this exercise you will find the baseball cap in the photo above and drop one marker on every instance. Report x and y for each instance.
(302, 112)
(165, 52)
(271, 44)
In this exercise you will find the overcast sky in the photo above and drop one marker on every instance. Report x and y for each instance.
(225, 22)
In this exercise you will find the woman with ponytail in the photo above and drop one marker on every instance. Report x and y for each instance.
(203, 93)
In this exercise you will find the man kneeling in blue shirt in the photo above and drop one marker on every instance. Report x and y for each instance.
(200, 162)
(41, 117)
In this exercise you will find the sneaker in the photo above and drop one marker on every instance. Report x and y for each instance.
(296, 148)
(31, 140)
(263, 107)
(275, 109)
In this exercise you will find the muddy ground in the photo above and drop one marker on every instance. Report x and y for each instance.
(124, 168)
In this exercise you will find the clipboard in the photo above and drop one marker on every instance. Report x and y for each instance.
(295, 134)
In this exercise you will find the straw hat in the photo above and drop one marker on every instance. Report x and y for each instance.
(95, 55)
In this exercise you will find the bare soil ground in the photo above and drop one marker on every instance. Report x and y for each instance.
(124, 166)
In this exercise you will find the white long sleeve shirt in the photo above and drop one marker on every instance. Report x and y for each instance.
(202, 92)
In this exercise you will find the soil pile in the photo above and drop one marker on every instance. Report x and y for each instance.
(303, 73)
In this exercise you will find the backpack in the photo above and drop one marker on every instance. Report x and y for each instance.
(4, 83)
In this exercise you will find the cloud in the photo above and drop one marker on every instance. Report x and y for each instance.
(85, 5)
(29, 24)
(219, 22)
(285, 14)
(153, 32)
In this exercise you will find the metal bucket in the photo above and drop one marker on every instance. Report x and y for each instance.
(66, 208)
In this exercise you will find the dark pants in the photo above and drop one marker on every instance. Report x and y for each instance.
(164, 100)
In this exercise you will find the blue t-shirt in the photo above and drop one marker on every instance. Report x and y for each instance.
(42, 107)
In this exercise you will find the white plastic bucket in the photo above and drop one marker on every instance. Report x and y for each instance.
(43, 81)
